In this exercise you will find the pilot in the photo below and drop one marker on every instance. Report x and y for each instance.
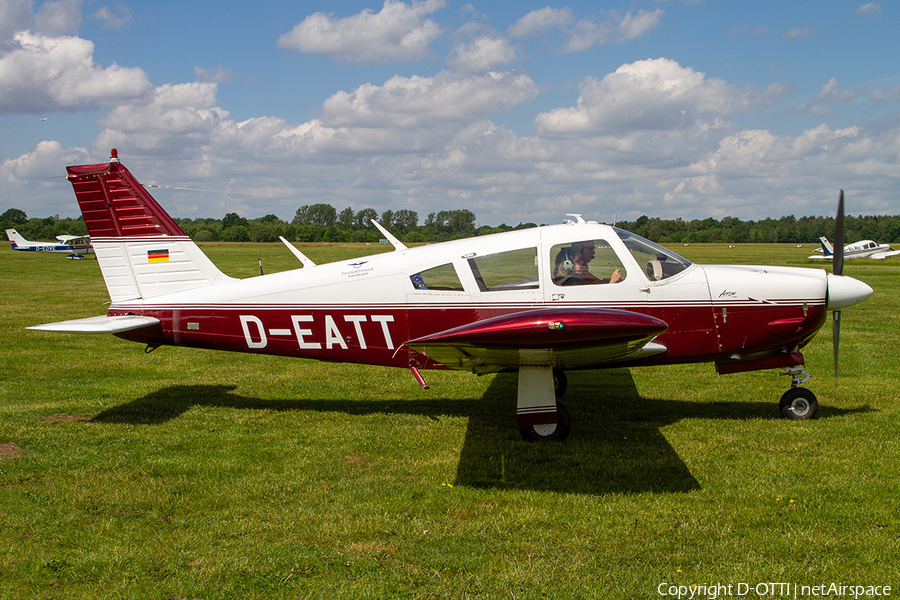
(571, 266)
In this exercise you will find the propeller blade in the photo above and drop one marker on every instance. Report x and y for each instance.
(837, 264)
(837, 268)
(835, 340)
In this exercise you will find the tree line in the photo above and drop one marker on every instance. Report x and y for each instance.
(323, 223)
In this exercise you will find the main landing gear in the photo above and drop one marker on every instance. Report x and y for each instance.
(539, 415)
(798, 403)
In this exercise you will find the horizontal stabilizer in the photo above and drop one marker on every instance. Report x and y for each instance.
(95, 325)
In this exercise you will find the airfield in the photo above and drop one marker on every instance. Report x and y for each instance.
(186, 473)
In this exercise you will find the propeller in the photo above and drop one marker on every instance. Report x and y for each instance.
(837, 268)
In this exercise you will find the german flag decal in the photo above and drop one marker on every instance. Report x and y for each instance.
(157, 256)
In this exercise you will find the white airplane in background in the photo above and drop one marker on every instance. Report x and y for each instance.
(862, 249)
(526, 301)
(66, 244)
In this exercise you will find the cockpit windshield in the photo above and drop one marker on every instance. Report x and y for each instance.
(660, 262)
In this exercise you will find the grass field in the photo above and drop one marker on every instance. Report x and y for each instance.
(193, 474)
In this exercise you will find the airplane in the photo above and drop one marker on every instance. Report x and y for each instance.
(67, 244)
(540, 301)
(861, 249)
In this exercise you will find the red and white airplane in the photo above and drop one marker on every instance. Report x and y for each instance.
(75, 246)
(541, 301)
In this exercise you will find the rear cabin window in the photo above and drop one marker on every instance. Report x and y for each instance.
(506, 271)
(441, 278)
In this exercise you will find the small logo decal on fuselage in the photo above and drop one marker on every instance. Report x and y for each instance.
(358, 271)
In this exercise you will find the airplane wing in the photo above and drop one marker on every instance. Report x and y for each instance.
(96, 325)
(563, 338)
(70, 238)
(884, 255)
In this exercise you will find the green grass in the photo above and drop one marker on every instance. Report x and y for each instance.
(192, 474)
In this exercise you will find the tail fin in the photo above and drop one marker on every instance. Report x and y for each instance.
(16, 239)
(827, 248)
(142, 252)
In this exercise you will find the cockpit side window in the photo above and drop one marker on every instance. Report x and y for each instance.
(661, 262)
(586, 262)
(506, 271)
(440, 278)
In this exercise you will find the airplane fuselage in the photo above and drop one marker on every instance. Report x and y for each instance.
(363, 310)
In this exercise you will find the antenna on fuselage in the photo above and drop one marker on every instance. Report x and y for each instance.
(397, 244)
(300, 256)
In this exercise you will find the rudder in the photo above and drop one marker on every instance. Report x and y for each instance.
(142, 252)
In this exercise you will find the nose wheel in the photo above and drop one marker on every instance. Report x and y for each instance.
(798, 403)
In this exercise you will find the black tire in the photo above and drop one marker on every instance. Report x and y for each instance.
(798, 404)
(560, 382)
(561, 432)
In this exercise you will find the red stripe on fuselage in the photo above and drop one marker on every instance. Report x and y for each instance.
(375, 334)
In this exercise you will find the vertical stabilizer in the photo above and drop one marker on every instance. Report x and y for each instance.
(15, 238)
(827, 248)
(142, 252)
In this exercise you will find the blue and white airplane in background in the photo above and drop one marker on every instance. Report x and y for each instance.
(861, 249)
(66, 244)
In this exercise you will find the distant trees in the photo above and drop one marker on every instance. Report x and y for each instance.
(788, 229)
(323, 223)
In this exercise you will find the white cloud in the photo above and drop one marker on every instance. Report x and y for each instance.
(417, 102)
(832, 92)
(538, 21)
(654, 94)
(482, 54)
(885, 94)
(588, 33)
(176, 120)
(798, 32)
(217, 75)
(63, 16)
(399, 32)
(113, 19)
(42, 73)
(869, 8)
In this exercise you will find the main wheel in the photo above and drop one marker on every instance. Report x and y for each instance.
(560, 382)
(798, 404)
(556, 432)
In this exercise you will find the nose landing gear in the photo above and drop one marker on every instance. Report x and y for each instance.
(798, 403)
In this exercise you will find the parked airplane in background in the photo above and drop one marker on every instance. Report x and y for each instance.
(863, 249)
(67, 244)
(539, 301)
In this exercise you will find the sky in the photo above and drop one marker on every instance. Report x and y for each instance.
(518, 111)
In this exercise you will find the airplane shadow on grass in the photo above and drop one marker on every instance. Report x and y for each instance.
(616, 445)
